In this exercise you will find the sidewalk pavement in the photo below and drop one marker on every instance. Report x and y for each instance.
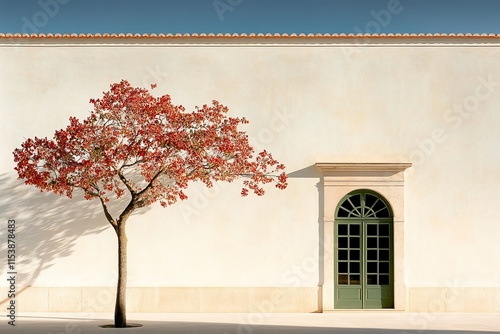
(342, 322)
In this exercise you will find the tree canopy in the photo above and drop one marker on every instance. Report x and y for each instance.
(146, 145)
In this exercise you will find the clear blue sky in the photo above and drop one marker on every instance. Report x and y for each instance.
(238, 16)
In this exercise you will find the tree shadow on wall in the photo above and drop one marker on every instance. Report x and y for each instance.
(47, 226)
(312, 172)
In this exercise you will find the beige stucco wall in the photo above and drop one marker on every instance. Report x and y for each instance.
(307, 103)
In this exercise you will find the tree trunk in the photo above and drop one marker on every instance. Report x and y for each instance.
(121, 291)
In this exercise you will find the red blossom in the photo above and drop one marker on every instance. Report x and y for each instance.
(146, 146)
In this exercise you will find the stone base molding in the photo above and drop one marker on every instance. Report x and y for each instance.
(454, 299)
(167, 299)
(236, 300)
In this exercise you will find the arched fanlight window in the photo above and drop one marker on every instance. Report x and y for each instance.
(363, 204)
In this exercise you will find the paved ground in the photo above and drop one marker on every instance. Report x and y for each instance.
(377, 322)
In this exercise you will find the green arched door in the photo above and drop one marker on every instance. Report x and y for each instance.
(363, 252)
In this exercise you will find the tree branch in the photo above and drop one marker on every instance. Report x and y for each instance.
(132, 205)
(107, 214)
(103, 203)
(125, 182)
(150, 184)
(131, 164)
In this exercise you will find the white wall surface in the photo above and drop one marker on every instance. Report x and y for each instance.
(306, 104)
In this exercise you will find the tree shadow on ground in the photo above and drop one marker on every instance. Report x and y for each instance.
(188, 327)
(47, 226)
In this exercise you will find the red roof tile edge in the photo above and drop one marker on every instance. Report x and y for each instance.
(244, 36)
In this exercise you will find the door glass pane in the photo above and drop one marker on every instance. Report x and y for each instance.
(383, 267)
(371, 267)
(354, 280)
(356, 200)
(354, 229)
(347, 205)
(343, 242)
(372, 254)
(371, 279)
(371, 229)
(342, 255)
(370, 200)
(355, 204)
(354, 267)
(371, 242)
(383, 242)
(354, 242)
(343, 267)
(384, 279)
(383, 213)
(342, 229)
(354, 254)
(384, 255)
(383, 230)
(379, 206)
(343, 212)
(343, 279)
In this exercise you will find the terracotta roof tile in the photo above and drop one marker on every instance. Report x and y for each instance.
(243, 35)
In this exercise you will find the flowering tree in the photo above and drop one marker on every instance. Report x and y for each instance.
(147, 149)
